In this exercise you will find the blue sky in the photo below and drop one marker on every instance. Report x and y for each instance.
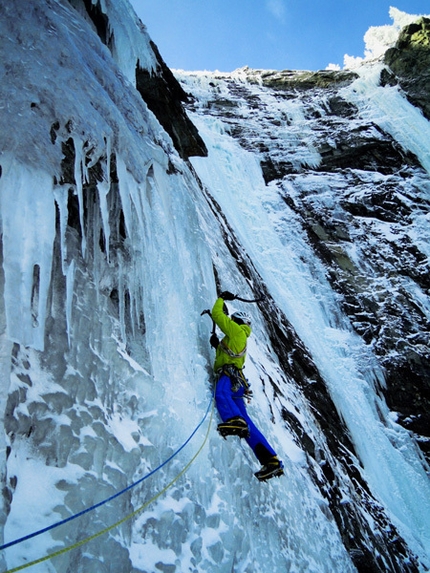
(271, 34)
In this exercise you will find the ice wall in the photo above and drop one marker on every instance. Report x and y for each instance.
(111, 250)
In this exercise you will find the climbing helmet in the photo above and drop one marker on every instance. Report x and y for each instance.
(241, 318)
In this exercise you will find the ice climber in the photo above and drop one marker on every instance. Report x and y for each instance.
(232, 388)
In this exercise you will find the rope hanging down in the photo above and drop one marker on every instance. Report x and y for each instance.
(134, 513)
(83, 512)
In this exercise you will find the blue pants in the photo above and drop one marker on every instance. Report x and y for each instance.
(231, 404)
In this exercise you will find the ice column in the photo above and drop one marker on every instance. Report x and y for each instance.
(28, 221)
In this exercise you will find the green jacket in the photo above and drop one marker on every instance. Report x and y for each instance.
(235, 339)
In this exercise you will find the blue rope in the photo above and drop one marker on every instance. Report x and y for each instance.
(36, 533)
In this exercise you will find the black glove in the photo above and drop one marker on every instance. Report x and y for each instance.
(226, 295)
(214, 341)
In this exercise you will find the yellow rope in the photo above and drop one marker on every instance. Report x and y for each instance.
(124, 519)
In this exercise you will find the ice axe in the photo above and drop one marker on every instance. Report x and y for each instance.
(236, 297)
(214, 340)
(207, 311)
(260, 299)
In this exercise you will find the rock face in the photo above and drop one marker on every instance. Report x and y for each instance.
(164, 97)
(409, 61)
(362, 233)
(358, 194)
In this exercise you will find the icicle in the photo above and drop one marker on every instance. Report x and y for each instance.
(70, 278)
(133, 300)
(61, 193)
(79, 177)
(103, 190)
(108, 156)
(124, 192)
(121, 299)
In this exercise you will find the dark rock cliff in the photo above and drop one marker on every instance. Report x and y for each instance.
(164, 97)
(409, 391)
(354, 154)
(409, 61)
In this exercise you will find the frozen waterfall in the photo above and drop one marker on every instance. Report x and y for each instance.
(112, 246)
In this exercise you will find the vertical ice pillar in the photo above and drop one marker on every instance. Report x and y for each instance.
(28, 227)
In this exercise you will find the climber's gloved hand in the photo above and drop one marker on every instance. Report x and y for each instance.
(226, 295)
(214, 341)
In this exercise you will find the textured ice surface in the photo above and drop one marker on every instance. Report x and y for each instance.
(111, 368)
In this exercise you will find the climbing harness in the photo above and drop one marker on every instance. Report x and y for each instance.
(230, 352)
(236, 376)
(127, 517)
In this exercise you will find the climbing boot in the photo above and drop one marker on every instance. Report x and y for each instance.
(273, 468)
(234, 427)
